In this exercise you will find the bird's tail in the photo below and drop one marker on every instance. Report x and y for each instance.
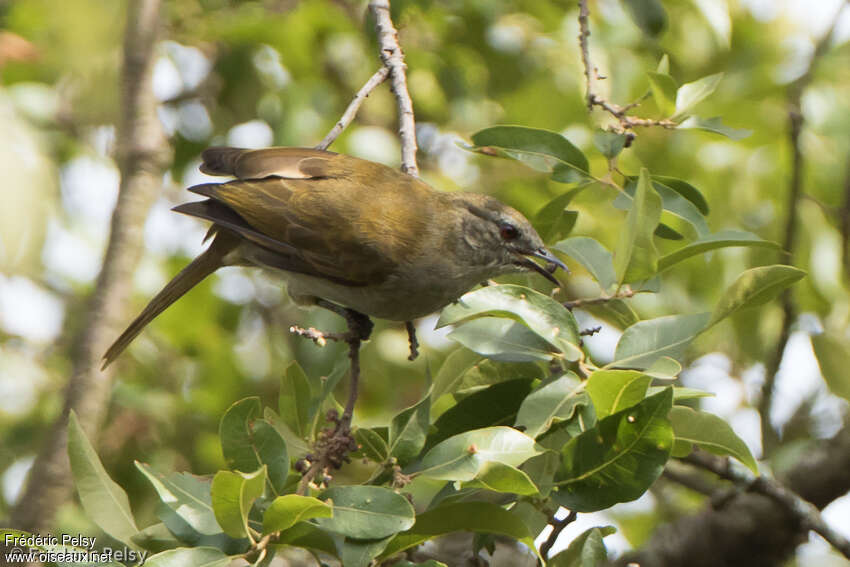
(190, 276)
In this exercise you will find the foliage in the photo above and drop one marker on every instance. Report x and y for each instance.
(673, 232)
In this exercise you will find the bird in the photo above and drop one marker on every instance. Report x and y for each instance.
(354, 236)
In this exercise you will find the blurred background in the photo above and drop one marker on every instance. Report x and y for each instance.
(280, 72)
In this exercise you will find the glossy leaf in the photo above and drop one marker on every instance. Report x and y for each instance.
(755, 287)
(833, 355)
(295, 400)
(664, 92)
(709, 242)
(709, 432)
(498, 477)
(609, 144)
(502, 340)
(542, 314)
(105, 503)
(635, 257)
(540, 149)
(481, 517)
(451, 373)
(308, 536)
(233, 494)
(672, 202)
(187, 495)
(554, 221)
(593, 256)
(366, 512)
(194, 556)
(463, 456)
(586, 550)
(286, 511)
(645, 342)
(684, 189)
(619, 459)
(615, 390)
(691, 94)
(236, 437)
(372, 445)
(549, 404)
(361, 552)
(715, 125)
(664, 368)
(408, 430)
(648, 15)
(681, 394)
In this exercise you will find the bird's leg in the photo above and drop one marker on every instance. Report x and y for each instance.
(411, 339)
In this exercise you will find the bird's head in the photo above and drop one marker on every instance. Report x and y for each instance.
(501, 237)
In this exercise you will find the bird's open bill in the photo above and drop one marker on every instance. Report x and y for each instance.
(552, 264)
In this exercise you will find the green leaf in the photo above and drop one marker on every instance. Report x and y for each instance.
(271, 451)
(481, 517)
(684, 189)
(663, 91)
(366, 512)
(665, 368)
(463, 456)
(372, 445)
(429, 563)
(754, 287)
(187, 495)
(617, 312)
(233, 494)
(715, 125)
(681, 394)
(542, 314)
(709, 242)
(295, 400)
(609, 144)
(194, 556)
(296, 446)
(408, 430)
(542, 150)
(451, 373)
(648, 15)
(361, 552)
(619, 459)
(286, 511)
(154, 538)
(235, 434)
(833, 355)
(691, 94)
(495, 405)
(498, 477)
(105, 503)
(593, 256)
(636, 258)
(672, 201)
(554, 221)
(188, 536)
(502, 340)
(663, 65)
(709, 432)
(615, 390)
(307, 536)
(666, 232)
(645, 342)
(550, 404)
(586, 550)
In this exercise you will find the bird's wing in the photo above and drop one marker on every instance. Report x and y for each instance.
(334, 216)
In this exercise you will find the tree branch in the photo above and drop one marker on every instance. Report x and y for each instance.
(393, 58)
(557, 527)
(770, 437)
(351, 111)
(619, 112)
(748, 528)
(142, 154)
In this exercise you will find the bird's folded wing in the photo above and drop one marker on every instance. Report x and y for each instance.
(289, 163)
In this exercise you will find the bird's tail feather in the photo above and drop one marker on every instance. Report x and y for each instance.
(190, 276)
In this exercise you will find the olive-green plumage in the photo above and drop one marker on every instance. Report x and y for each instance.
(349, 231)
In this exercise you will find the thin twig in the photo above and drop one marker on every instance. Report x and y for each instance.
(557, 527)
(619, 112)
(805, 512)
(393, 58)
(576, 303)
(351, 111)
(770, 437)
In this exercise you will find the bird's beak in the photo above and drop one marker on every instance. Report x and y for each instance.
(552, 264)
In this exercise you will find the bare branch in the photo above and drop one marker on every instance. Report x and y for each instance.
(142, 155)
(557, 527)
(393, 58)
(619, 112)
(805, 512)
(770, 437)
(351, 111)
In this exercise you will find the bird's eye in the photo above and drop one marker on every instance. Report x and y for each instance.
(508, 231)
